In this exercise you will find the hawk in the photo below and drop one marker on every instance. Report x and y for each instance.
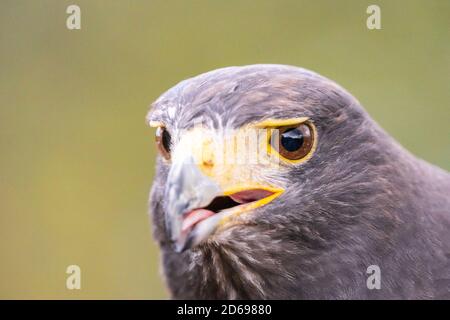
(273, 182)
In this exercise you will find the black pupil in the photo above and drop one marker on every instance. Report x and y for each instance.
(166, 140)
(292, 139)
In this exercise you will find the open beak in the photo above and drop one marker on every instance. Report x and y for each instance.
(197, 205)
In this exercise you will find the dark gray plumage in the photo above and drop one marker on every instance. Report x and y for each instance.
(360, 200)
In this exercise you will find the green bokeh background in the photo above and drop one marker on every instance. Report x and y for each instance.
(77, 160)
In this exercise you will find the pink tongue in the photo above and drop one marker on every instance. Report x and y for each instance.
(194, 217)
(250, 195)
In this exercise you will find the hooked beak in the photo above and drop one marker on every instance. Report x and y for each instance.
(197, 205)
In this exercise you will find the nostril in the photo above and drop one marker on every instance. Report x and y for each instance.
(208, 163)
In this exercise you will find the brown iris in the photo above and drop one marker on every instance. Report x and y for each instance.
(293, 142)
(163, 138)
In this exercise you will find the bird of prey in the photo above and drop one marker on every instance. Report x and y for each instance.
(329, 195)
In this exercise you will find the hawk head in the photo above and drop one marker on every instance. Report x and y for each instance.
(262, 170)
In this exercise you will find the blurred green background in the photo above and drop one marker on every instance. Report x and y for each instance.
(76, 158)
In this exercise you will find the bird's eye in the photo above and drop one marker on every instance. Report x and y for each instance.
(163, 138)
(293, 142)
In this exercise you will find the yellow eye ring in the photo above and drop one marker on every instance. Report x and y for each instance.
(292, 143)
